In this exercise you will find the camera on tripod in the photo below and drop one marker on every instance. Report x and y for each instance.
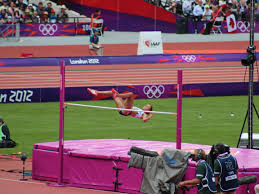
(250, 58)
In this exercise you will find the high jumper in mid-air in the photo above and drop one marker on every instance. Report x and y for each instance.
(126, 107)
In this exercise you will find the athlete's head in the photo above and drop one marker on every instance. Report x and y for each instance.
(147, 107)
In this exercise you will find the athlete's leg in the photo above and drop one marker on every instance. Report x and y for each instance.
(129, 100)
(118, 100)
(106, 93)
(96, 92)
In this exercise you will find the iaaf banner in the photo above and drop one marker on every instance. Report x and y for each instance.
(120, 60)
(150, 43)
(28, 95)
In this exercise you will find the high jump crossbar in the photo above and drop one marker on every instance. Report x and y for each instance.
(62, 109)
(112, 108)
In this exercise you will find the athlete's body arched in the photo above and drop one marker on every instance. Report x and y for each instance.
(127, 104)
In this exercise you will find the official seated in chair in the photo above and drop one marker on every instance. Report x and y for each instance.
(5, 140)
(95, 48)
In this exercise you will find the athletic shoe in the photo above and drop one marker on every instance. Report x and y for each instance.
(92, 91)
(114, 93)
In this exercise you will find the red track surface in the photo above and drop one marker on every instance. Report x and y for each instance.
(122, 77)
(131, 74)
(124, 49)
(10, 175)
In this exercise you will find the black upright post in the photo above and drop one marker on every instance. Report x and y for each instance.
(249, 61)
(251, 55)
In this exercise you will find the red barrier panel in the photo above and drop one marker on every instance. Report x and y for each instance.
(134, 7)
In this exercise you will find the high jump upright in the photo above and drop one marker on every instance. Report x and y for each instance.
(62, 119)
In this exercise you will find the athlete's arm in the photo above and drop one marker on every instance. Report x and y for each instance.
(147, 117)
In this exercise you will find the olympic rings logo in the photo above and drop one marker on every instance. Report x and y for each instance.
(189, 58)
(154, 91)
(243, 26)
(48, 29)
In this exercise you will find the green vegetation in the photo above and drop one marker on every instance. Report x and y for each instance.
(32, 123)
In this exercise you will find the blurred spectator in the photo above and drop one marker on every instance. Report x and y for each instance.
(187, 7)
(49, 8)
(238, 13)
(243, 9)
(45, 17)
(173, 6)
(3, 16)
(198, 11)
(256, 9)
(35, 18)
(63, 16)
(5, 5)
(197, 15)
(21, 4)
(40, 9)
(222, 2)
(234, 6)
(21, 11)
(95, 16)
(223, 10)
(53, 18)
(18, 16)
(11, 9)
(27, 16)
(194, 3)
(207, 14)
(31, 9)
(26, 2)
(215, 13)
(214, 2)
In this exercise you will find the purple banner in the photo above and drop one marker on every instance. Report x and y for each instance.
(119, 60)
(141, 92)
(242, 27)
(72, 29)
(69, 29)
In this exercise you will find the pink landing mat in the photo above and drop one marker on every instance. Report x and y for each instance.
(103, 163)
